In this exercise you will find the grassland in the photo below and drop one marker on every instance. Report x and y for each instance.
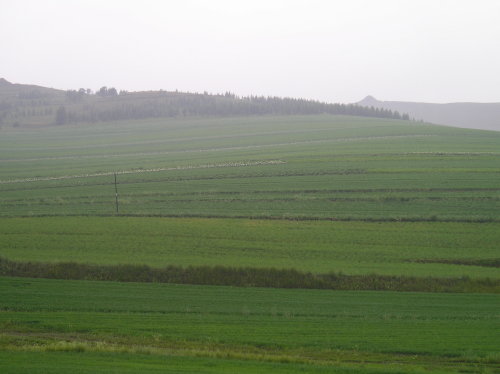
(387, 248)
(303, 167)
(317, 194)
(260, 329)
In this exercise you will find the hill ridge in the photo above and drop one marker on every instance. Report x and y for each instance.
(485, 116)
(29, 105)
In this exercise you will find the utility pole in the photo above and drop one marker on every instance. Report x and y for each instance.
(116, 195)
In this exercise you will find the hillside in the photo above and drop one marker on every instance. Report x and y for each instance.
(28, 105)
(484, 116)
(252, 244)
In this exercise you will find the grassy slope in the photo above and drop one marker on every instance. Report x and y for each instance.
(436, 331)
(333, 167)
(389, 248)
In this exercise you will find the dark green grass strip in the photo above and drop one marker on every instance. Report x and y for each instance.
(244, 277)
(493, 263)
(432, 218)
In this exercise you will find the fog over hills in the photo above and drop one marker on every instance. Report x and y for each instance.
(484, 116)
(24, 105)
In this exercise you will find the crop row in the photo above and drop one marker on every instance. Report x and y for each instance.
(244, 277)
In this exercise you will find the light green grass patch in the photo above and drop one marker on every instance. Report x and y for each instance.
(391, 248)
(329, 329)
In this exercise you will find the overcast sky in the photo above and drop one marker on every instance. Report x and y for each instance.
(331, 50)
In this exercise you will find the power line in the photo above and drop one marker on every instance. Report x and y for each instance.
(116, 195)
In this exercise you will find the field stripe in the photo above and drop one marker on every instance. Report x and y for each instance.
(235, 148)
(195, 138)
(138, 171)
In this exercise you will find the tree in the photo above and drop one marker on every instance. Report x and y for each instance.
(75, 96)
(61, 116)
(103, 91)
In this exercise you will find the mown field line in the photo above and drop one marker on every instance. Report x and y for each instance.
(256, 146)
(195, 178)
(177, 140)
(305, 191)
(263, 217)
(231, 199)
(138, 171)
(208, 149)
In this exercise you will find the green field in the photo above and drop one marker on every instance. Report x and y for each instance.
(318, 166)
(316, 194)
(388, 248)
(328, 331)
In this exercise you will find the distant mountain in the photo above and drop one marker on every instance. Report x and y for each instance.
(484, 116)
(27, 105)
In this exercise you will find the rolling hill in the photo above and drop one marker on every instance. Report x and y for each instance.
(204, 242)
(484, 116)
(28, 105)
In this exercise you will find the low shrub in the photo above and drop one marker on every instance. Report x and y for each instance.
(244, 277)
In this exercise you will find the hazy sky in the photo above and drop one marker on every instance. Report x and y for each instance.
(331, 50)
